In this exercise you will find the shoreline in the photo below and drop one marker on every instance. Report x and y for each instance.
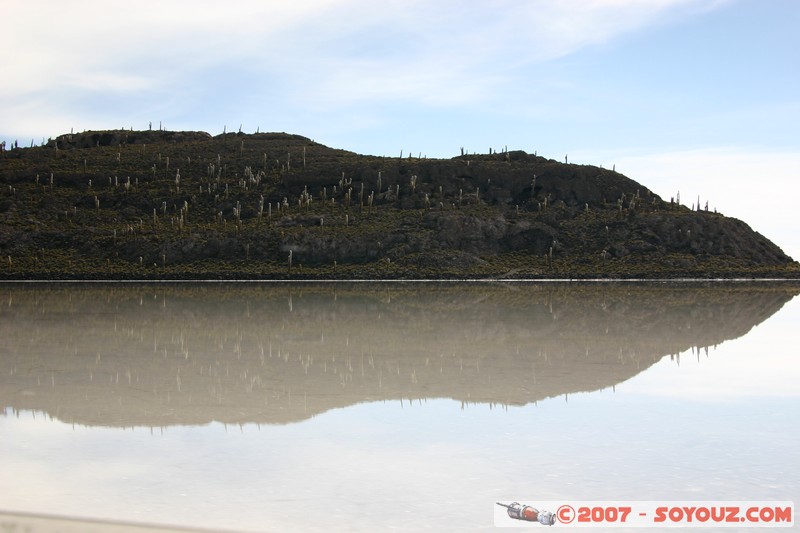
(386, 281)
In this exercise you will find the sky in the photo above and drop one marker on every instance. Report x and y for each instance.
(700, 97)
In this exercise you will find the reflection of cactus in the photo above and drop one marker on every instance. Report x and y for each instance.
(199, 320)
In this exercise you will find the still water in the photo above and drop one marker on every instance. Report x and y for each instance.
(371, 407)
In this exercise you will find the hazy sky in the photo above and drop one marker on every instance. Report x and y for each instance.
(696, 96)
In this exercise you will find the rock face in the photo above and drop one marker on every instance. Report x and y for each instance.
(126, 203)
(470, 235)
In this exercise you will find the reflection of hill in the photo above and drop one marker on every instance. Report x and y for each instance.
(156, 355)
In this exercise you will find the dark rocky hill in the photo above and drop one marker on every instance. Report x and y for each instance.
(166, 205)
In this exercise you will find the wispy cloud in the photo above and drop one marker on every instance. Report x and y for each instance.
(330, 53)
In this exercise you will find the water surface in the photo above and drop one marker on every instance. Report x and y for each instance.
(377, 406)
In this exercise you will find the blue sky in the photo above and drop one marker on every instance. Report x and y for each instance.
(696, 96)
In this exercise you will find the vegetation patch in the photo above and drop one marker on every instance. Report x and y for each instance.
(185, 205)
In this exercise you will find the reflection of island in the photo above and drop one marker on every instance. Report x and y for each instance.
(156, 355)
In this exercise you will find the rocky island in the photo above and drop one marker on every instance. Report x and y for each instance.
(169, 205)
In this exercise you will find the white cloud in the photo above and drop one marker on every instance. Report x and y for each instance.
(453, 53)
(331, 52)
